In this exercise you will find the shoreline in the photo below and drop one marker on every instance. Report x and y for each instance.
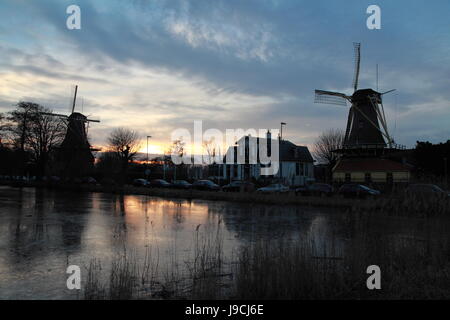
(237, 197)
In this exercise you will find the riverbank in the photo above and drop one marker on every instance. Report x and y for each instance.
(240, 197)
(400, 205)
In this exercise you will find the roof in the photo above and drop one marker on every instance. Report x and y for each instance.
(372, 164)
(288, 150)
(292, 152)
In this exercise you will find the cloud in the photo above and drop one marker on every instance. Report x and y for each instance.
(159, 65)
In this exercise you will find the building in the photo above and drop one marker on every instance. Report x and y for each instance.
(370, 170)
(75, 158)
(296, 163)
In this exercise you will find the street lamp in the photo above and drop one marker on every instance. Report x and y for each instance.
(445, 171)
(146, 162)
(281, 160)
(147, 149)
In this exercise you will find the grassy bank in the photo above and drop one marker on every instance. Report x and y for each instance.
(395, 204)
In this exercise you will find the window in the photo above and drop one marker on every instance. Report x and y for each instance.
(348, 177)
(389, 177)
(367, 177)
(297, 168)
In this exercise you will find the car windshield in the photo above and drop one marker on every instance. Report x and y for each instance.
(364, 187)
(437, 189)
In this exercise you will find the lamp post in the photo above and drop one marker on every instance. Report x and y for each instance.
(147, 147)
(281, 160)
(146, 162)
(445, 171)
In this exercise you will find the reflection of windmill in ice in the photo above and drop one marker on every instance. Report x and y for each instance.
(75, 157)
(366, 124)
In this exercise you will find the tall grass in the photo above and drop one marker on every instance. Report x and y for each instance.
(414, 262)
(411, 267)
(206, 267)
(198, 277)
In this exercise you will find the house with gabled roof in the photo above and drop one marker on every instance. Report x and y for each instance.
(296, 165)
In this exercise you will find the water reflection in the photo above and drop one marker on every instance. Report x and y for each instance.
(43, 231)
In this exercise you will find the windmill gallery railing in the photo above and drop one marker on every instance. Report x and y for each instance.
(392, 146)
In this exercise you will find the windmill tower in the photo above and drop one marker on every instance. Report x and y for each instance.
(75, 157)
(366, 125)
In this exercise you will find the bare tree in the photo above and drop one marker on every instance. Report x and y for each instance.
(125, 143)
(22, 118)
(46, 133)
(3, 126)
(177, 149)
(210, 147)
(34, 129)
(325, 145)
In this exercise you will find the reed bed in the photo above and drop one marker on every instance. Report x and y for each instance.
(413, 266)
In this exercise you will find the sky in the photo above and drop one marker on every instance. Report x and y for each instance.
(156, 66)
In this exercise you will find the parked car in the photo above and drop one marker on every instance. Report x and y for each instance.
(181, 184)
(52, 179)
(205, 185)
(140, 183)
(316, 189)
(425, 190)
(89, 180)
(160, 183)
(357, 191)
(108, 182)
(236, 186)
(274, 188)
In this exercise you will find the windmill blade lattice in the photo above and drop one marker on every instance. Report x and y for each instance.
(357, 47)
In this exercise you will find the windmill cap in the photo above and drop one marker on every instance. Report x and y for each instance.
(77, 115)
(365, 92)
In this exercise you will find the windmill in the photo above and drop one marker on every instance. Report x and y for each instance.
(75, 153)
(366, 125)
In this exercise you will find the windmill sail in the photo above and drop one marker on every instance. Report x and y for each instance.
(330, 97)
(357, 47)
